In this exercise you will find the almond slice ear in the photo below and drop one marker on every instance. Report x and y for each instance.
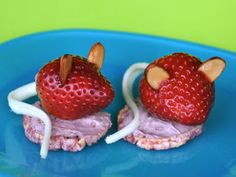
(96, 54)
(65, 67)
(155, 75)
(212, 68)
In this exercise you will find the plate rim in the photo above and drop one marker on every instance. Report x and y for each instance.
(118, 33)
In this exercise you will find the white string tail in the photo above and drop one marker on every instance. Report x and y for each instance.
(15, 101)
(127, 86)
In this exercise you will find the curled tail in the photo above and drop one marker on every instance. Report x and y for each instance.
(127, 86)
(15, 101)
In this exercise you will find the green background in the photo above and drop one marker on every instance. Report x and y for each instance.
(210, 22)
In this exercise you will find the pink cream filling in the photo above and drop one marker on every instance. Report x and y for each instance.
(153, 127)
(82, 128)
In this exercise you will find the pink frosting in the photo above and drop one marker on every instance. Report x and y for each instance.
(153, 127)
(84, 128)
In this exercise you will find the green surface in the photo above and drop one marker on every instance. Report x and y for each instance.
(211, 22)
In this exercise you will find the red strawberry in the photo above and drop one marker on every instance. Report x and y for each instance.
(179, 87)
(72, 87)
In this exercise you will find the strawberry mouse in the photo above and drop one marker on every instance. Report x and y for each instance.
(72, 93)
(176, 95)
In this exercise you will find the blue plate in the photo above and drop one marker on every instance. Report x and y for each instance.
(211, 154)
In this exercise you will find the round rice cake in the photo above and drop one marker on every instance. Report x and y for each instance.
(68, 135)
(154, 133)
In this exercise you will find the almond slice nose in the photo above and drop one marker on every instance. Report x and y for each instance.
(96, 54)
(155, 76)
(65, 67)
(212, 68)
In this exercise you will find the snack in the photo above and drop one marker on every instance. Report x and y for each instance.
(66, 134)
(72, 94)
(176, 96)
(154, 133)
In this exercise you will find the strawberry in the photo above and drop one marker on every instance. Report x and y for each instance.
(179, 87)
(72, 87)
